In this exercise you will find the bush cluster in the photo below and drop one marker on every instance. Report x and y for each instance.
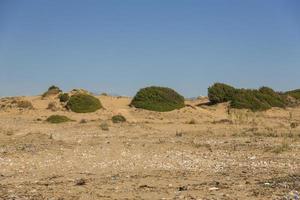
(159, 99)
(255, 100)
(83, 103)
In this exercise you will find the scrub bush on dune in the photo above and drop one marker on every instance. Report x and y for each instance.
(159, 99)
(255, 100)
(52, 90)
(83, 103)
(294, 93)
(220, 93)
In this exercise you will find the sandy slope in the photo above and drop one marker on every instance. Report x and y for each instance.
(226, 154)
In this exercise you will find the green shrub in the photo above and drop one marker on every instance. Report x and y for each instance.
(220, 93)
(118, 119)
(159, 99)
(52, 90)
(64, 97)
(56, 119)
(83, 103)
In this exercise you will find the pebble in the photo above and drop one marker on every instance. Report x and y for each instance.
(213, 188)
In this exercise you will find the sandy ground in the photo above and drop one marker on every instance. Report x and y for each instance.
(198, 152)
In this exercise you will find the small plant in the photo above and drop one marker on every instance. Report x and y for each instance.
(118, 119)
(179, 134)
(294, 125)
(104, 126)
(64, 97)
(159, 99)
(56, 119)
(83, 121)
(83, 103)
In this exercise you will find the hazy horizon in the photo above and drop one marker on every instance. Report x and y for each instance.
(119, 47)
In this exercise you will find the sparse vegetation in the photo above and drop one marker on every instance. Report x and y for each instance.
(52, 106)
(159, 99)
(24, 104)
(118, 119)
(223, 121)
(83, 103)
(56, 119)
(64, 97)
(284, 146)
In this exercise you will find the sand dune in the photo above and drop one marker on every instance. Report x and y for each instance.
(198, 152)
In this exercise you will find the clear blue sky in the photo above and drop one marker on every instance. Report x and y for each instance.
(119, 46)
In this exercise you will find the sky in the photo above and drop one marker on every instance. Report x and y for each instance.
(120, 46)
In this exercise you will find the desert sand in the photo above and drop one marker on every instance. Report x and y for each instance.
(198, 152)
